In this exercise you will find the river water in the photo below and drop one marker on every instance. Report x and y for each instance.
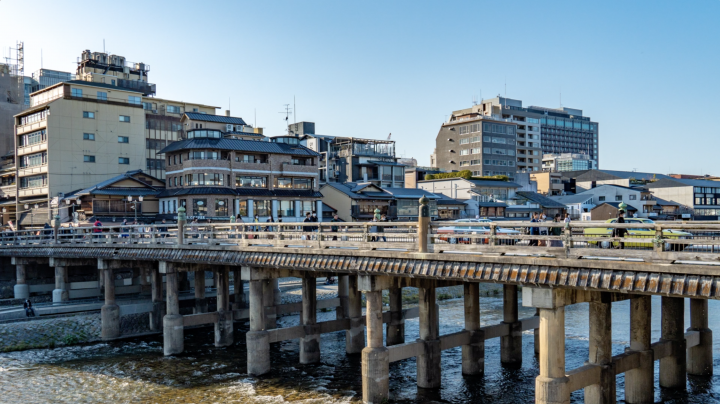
(135, 371)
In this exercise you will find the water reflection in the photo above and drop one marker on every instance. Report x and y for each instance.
(136, 371)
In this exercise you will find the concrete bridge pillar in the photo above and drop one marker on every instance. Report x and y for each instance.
(600, 338)
(173, 328)
(343, 310)
(201, 304)
(60, 293)
(239, 286)
(158, 307)
(536, 335)
(21, 289)
(258, 340)
(428, 363)
(511, 345)
(355, 336)
(699, 357)
(109, 312)
(269, 300)
(375, 357)
(640, 382)
(473, 354)
(396, 326)
(224, 324)
(183, 281)
(673, 367)
(310, 342)
(145, 288)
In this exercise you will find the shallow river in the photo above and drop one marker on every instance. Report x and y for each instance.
(135, 371)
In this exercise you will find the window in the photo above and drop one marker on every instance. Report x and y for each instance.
(123, 160)
(307, 206)
(173, 109)
(221, 207)
(155, 164)
(134, 100)
(123, 139)
(487, 150)
(633, 197)
(250, 182)
(102, 96)
(464, 152)
(88, 115)
(124, 118)
(303, 183)
(262, 208)
(148, 106)
(33, 160)
(618, 197)
(76, 92)
(464, 163)
(601, 198)
(242, 209)
(199, 207)
(195, 110)
(34, 181)
(283, 182)
(88, 136)
(33, 138)
(286, 208)
(465, 141)
(88, 159)
(32, 118)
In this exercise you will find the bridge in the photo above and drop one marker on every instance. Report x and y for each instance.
(583, 262)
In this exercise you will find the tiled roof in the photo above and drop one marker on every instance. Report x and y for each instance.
(577, 198)
(449, 201)
(100, 188)
(197, 116)
(127, 191)
(616, 205)
(542, 200)
(239, 145)
(261, 192)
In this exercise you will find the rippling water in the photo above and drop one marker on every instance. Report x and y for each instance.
(135, 371)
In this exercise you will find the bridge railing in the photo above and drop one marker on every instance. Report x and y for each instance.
(373, 235)
(631, 240)
(120, 234)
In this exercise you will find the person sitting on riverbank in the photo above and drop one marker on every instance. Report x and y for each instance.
(29, 311)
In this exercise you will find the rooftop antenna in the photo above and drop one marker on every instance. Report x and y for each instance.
(287, 113)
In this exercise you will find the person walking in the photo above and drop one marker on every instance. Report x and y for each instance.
(307, 229)
(381, 229)
(29, 311)
(97, 228)
(534, 231)
(620, 232)
(555, 231)
(334, 229)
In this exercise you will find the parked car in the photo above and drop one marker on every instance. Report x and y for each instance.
(482, 227)
(636, 233)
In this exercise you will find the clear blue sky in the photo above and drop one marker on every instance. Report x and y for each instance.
(647, 71)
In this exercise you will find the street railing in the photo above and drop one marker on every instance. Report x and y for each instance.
(660, 241)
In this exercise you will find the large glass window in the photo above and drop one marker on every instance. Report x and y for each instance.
(286, 208)
(262, 208)
(249, 158)
(199, 207)
(33, 160)
(303, 183)
(250, 182)
(134, 100)
(221, 207)
(101, 96)
(34, 181)
(307, 206)
(33, 138)
(76, 92)
(283, 182)
(173, 109)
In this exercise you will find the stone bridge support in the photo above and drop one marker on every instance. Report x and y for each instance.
(699, 357)
(21, 289)
(396, 327)
(473, 354)
(257, 339)
(269, 299)
(239, 291)
(310, 341)
(640, 382)
(224, 323)
(60, 294)
(355, 336)
(375, 356)
(110, 311)
(158, 306)
(511, 345)
(201, 304)
(428, 362)
(673, 367)
(173, 327)
(600, 339)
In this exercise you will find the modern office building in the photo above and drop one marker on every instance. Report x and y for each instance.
(47, 77)
(216, 173)
(561, 130)
(483, 144)
(568, 162)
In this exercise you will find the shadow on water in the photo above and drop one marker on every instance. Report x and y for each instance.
(136, 371)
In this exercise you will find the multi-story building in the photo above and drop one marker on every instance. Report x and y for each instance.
(44, 78)
(216, 173)
(563, 130)
(350, 159)
(568, 162)
(548, 182)
(485, 145)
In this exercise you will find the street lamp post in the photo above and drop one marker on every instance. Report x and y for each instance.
(135, 202)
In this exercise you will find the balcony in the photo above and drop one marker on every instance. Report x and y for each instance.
(34, 148)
